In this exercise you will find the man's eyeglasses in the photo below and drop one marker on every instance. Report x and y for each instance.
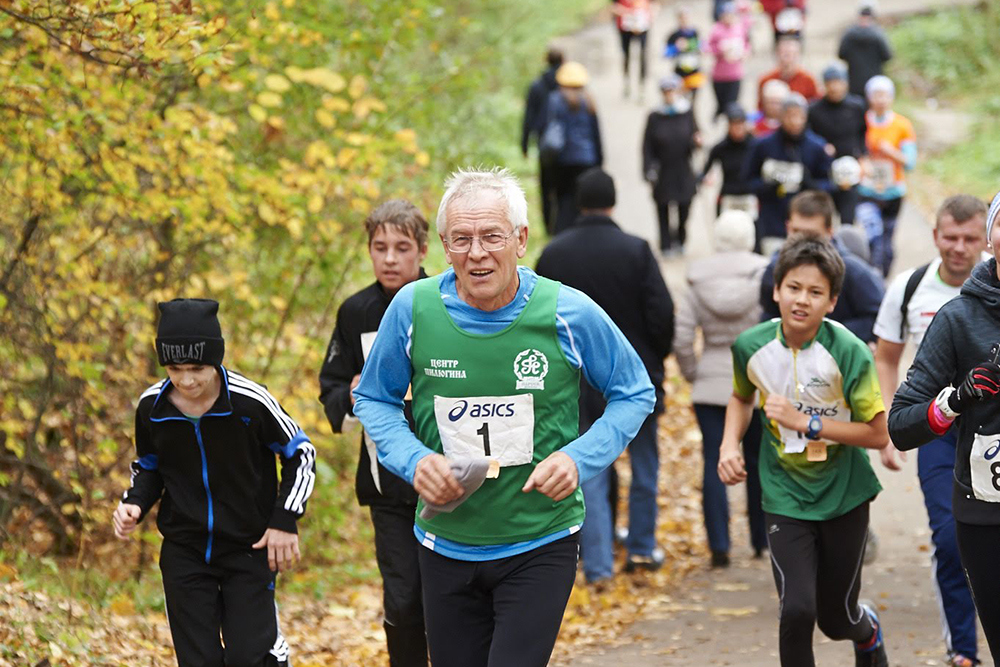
(488, 242)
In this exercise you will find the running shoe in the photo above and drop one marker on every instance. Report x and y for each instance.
(960, 660)
(871, 654)
(652, 562)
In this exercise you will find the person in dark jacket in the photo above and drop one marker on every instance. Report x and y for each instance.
(397, 243)
(865, 49)
(953, 384)
(620, 273)
(859, 300)
(206, 440)
(573, 108)
(534, 122)
(839, 119)
(791, 160)
(731, 154)
(670, 138)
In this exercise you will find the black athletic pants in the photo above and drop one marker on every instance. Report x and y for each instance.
(817, 569)
(234, 593)
(726, 92)
(497, 613)
(396, 553)
(627, 38)
(547, 192)
(979, 546)
(667, 238)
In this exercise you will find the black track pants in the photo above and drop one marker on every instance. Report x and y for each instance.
(396, 553)
(979, 546)
(817, 569)
(497, 613)
(234, 594)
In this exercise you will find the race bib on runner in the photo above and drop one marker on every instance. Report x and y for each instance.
(880, 175)
(636, 21)
(796, 442)
(501, 427)
(788, 174)
(688, 62)
(984, 464)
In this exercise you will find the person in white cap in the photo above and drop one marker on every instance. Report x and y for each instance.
(892, 151)
(953, 384)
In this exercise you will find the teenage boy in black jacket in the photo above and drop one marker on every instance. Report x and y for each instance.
(206, 439)
(397, 243)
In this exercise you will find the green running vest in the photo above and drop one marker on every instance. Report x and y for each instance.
(484, 388)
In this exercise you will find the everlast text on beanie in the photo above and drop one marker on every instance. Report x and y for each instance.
(189, 333)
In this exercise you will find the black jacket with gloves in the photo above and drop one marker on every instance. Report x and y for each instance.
(217, 474)
(959, 337)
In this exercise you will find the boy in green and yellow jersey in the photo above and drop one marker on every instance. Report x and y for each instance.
(820, 394)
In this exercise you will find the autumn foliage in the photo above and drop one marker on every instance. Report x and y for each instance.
(150, 150)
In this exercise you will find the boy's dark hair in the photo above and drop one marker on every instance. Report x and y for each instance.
(808, 249)
(961, 208)
(554, 57)
(400, 214)
(812, 203)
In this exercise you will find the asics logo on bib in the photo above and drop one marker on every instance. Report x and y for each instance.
(993, 450)
(819, 411)
(480, 410)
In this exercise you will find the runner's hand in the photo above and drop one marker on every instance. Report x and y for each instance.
(435, 482)
(556, 476)
(282, 549)
(892, 458)
(126, 518)
(355, 381)
(781, 410)
(982, 383)
(732, 469)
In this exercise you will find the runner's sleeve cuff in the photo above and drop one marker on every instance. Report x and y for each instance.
(936, 419)
(283, 520)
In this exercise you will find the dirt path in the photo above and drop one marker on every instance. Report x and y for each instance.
(730, 617)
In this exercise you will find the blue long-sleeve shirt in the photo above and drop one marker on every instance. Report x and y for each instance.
(587, 336)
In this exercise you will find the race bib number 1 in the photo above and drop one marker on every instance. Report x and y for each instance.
(500, 427)
(984, 464)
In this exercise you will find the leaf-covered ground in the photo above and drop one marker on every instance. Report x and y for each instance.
(344, 628)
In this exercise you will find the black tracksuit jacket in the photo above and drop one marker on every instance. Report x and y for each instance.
(959, 337)
(841, 124)
(360, 314)
(217, 477)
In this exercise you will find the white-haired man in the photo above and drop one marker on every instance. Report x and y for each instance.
(495, 354)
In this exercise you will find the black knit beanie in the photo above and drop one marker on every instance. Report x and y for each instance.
(595, 190)
(189, 333)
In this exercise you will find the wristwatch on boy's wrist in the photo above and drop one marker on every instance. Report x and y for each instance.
(815, 426)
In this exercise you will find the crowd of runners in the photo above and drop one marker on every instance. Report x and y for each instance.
(495, 398)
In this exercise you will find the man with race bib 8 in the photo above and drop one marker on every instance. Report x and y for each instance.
(495, 356)
(955, 379)
(819, 391)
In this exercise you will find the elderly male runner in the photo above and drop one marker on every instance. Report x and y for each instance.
(494, 354)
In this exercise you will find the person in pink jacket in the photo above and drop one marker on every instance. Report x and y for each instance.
(729, 42)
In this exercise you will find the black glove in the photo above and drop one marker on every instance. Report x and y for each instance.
(982, 382)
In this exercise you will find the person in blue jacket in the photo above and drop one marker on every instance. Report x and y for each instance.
(791, 160)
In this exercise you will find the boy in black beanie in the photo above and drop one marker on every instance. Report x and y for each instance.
(202, 437)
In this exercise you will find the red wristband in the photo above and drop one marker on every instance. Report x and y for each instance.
(937, 420)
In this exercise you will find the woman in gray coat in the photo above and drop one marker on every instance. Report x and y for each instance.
(722, 301)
